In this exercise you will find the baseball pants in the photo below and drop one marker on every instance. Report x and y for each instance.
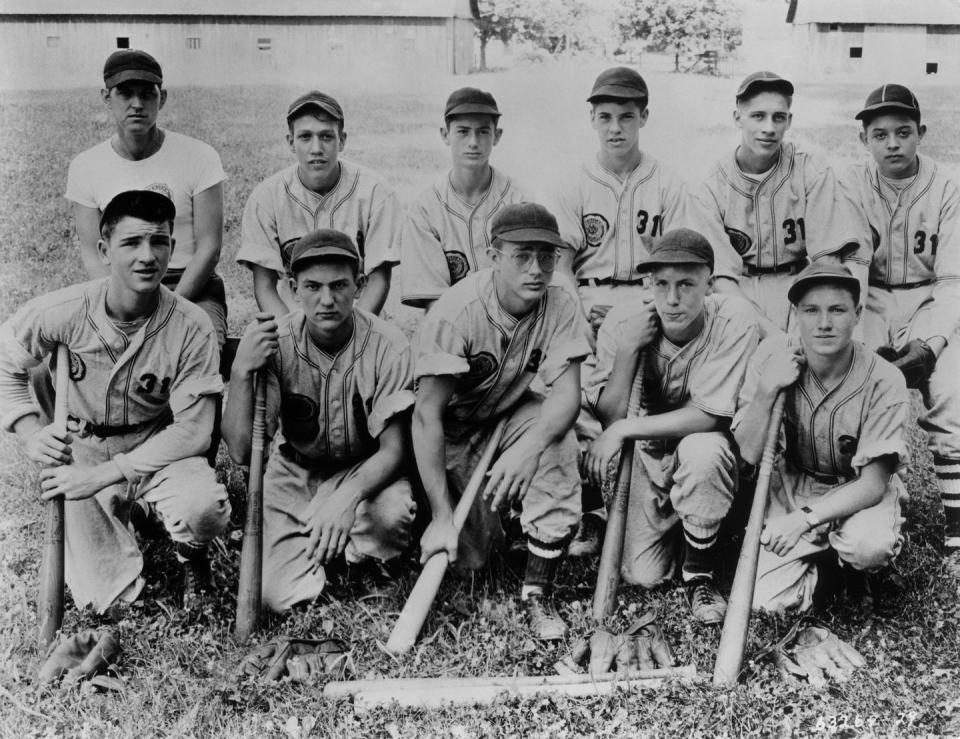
(693, 485)
(550, 511)
(868, 540)
(382, 528)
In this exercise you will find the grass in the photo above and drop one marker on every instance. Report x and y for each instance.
(179, 668)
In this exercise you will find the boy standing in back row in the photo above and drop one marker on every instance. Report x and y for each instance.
(448, 230)
(913, 305)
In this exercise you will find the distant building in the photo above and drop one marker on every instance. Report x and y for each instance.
(877, 39)
(63, 43)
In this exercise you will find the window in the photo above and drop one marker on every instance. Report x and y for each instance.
(856, 52)
(123, 42)
(193, 42)
(834, 26)
(53, 42)
(264, 44)
(931, 67)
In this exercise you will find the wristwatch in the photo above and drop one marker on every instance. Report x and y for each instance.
(813, 520)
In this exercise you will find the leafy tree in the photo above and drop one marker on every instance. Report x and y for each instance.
(681, 25)
(496, 20)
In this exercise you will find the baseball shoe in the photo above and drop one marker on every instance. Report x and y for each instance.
(706, 604)
(544, 619)
(589, 536)
(196, 578)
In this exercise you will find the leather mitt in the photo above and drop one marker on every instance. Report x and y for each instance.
(302, 660)
(83, 656)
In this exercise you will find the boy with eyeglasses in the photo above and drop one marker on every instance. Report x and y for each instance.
(477, 351)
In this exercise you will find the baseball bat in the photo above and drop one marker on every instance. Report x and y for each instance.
(250, 584)
(50, 602)
(415, 610)
(733, 638)
(608, 571)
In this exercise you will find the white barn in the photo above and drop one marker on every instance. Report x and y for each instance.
(906, 40)
(63, 43)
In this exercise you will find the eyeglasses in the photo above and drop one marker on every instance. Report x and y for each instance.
(523, 259)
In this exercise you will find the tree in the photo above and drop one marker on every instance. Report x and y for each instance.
(681, 25)
(496, 20)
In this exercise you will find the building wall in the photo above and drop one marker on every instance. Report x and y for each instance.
(49, 53)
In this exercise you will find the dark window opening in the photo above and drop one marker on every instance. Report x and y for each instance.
(834, 26)
(123, 42)
(931, 67)
(264, 44)
(856, 52)
(193, 42)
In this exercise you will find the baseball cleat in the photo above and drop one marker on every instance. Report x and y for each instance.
(544, 619)
(588, 538)
(706, 604)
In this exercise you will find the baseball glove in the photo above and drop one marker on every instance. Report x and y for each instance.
(640, 647)
(815, 653)
(302, 660)
(916, 361)
(83, 656)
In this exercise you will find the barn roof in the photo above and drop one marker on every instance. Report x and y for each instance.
(895, 12)
(241, 8)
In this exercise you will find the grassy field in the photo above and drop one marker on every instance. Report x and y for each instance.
(179, 669)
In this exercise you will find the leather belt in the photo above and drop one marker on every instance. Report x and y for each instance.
(902, 285)
(825, 479)
(788, 267)
(105, 431)
(308, 463)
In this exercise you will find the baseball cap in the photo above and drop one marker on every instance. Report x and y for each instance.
(316, 99)
(324, 242)
(762, 81)
(131, 64)
(469, 100)
(619, 82)
(819, 273)
(890, 97)
(150, 205)
(678, 246)
(526, 222)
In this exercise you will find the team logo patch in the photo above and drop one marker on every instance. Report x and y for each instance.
(536, 357)
(458, 266)
(595, 227)
(482, 366)
(876, 238)
(847, 445)
(738, 240)
(299, 416)
(78, 370)
(162, 188)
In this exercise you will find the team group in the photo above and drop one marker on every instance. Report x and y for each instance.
(631, 308)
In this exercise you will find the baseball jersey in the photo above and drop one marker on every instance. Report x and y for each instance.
(792, 212)
(281, 209)
(610, 224)
(494, 357)
(116, 380)
(706, 372)
(446, 238)
(839, 431)
(332, 407)
(913, 227)
(186, 166)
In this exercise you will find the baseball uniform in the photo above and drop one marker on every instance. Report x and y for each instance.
(691, 480)
(494, 357)
(330, 409)
(826, 439)
(915, 289)
(142, 400)
(186, 167)
(779, 219)
(281, 209)
(446, 238)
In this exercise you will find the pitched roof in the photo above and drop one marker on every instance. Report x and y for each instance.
(896, 12)
(242, 8)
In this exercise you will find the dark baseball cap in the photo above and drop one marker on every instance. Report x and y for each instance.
(619, 82)
(893, 98)
(763, 82)
(819, 273)
(154, 205)
(678, 246)
(315, 99)
(131, 64)
(526, 222)
(470, 101)
(324, 242)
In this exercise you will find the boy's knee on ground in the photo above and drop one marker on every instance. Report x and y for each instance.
(865, 548)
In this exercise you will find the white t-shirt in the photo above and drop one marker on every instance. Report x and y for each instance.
(186, 166)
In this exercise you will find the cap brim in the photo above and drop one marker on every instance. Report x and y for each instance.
(533, 235)
(647, 265)
(472, 109)
(801, 286)
(132, 74)
(325, 107)
(617, 91)
(325, 251)
(782, 86)
(886, 106)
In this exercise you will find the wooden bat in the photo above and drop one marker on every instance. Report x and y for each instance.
(415, 610)
(608, 571)
(733, 638)
(50, 602)
(435, 692)
(250, 584)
